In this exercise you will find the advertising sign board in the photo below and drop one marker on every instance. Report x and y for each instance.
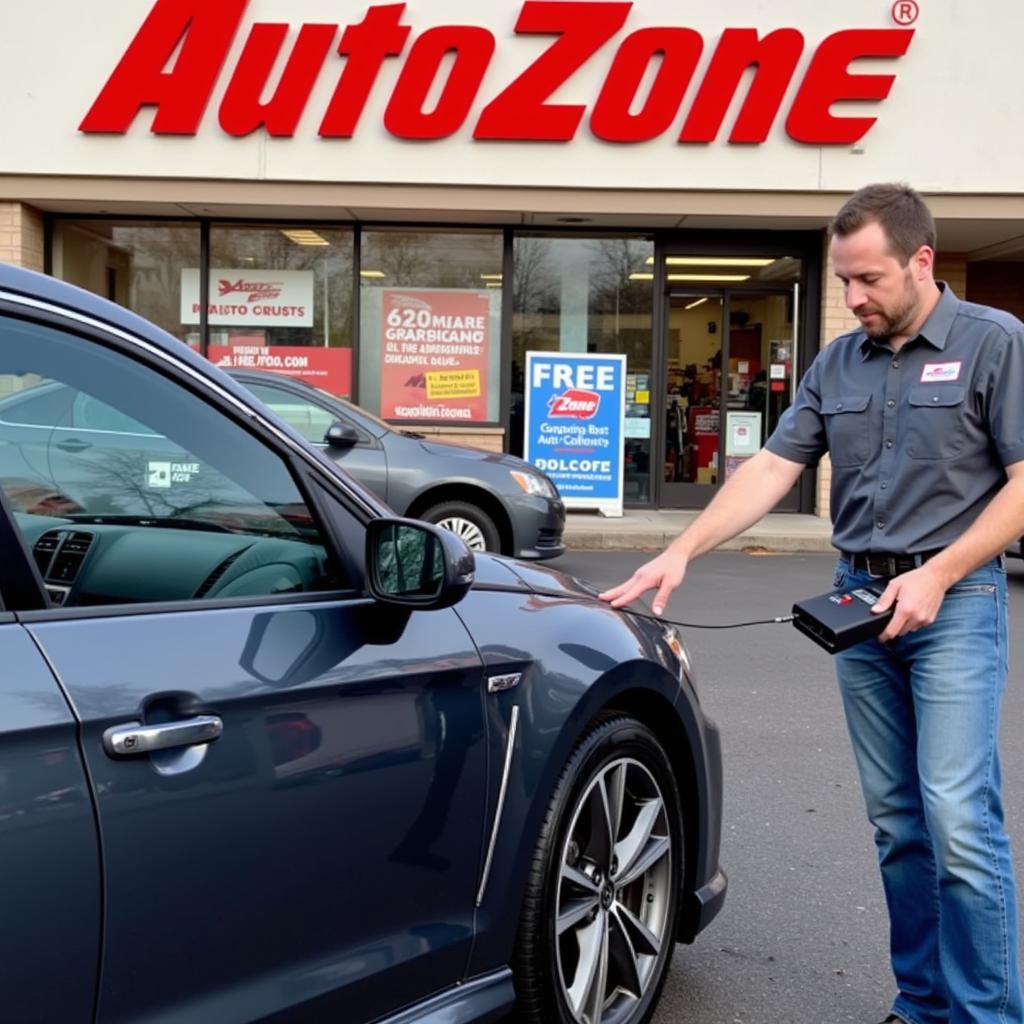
(326, 368)
(575, 408)
(250, 298)
(434, 353)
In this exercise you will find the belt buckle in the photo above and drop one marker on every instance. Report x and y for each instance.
(881, 565)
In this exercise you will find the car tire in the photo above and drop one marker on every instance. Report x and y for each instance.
(582, 908)
(467, 521)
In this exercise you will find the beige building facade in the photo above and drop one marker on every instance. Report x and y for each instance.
(592, 177)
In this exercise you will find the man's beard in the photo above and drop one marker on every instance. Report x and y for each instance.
(895, 322)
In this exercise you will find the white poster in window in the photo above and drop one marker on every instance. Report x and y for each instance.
(250, 298)
(743, 433)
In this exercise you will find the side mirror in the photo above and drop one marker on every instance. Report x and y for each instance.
(341, 435)
(417, 565)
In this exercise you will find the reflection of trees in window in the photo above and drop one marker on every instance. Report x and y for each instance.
(241, 248)
(612, 291)
(410, 259)
(534, 281)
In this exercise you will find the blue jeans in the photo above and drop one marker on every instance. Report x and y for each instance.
(923, 715)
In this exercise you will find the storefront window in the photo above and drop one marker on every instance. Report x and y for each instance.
(588, 295)
(280, 299)
(430, 325)
(137, 264)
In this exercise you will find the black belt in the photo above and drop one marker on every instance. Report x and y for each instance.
(886, 563)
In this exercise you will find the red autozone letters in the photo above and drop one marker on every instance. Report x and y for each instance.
(201, 33)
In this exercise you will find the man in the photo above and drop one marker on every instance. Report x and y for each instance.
(922, 413)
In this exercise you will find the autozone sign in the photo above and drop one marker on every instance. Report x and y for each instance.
(442, 70)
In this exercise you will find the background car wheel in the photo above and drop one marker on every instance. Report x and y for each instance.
(472, 524)
(599, 918)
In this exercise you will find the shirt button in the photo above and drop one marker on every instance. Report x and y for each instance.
(888, 444)
(880, 524)
(839, 405)
(884, 485)
(935, 398)
(895, 364)
(891, 403)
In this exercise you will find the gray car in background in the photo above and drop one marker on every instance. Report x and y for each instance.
(495, 502)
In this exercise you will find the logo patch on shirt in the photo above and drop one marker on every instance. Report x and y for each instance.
(934, 373)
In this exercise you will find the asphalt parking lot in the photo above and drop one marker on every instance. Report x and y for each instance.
(803, 936)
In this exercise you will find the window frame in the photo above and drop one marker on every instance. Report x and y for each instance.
(22, 590)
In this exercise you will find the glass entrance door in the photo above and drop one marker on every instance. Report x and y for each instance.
(730, 374)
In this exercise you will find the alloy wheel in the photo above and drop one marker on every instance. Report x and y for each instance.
(613, 895)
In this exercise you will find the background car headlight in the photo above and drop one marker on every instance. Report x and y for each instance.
(534, 483)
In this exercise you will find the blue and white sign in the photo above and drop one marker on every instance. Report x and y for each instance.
(575, 409)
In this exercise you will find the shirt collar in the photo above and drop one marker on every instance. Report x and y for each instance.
(935, 330)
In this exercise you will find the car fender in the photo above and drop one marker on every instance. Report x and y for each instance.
(564, 686)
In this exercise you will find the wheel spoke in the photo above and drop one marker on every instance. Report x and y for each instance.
(599, 849)
(635, 846)
(571, 912)
(654, 851)
(615, 780)
(623, 956)
(641, 938)
(580, 879)
(591, 970)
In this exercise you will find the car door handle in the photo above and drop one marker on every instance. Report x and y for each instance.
(72, 444)
(134, 738)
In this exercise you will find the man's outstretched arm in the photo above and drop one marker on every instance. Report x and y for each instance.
(751, 492)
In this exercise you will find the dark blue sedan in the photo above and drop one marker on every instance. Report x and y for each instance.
(270, 753)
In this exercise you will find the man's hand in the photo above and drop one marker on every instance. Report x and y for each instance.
(665, 573)
(918, 596)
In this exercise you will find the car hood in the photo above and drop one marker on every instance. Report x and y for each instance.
(459, 451)
(497, 572)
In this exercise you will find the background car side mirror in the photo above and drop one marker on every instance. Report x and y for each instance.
(414, 564)
(341, 435)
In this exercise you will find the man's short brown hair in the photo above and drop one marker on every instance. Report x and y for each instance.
(900, 211)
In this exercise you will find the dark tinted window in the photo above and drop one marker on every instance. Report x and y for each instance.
(145, 492)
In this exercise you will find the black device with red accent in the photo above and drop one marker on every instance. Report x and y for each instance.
(842, 618)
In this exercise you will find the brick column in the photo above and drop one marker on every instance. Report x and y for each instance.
(21, 235)
(952, 268)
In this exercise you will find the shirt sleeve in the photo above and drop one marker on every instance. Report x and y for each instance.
(1004, 399)
(800, 435)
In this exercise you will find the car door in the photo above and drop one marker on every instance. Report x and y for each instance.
(49, 846)
(305, 842)
(366, 460)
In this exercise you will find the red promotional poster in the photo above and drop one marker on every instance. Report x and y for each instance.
(434, 352)
(327, 368)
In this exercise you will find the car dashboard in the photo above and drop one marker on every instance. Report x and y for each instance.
(89, 564)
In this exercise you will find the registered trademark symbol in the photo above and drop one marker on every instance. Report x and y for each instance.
(905, 12)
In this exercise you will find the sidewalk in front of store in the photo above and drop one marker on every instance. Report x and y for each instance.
(652, 529)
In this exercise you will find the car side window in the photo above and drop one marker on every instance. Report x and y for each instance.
(127, 487)
(308, 418)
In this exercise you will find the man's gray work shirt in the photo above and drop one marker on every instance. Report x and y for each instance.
(919, 438)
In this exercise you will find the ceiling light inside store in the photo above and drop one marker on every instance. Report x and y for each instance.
(490, 277)
(304, 237)
(708, 277)
(640, 276)
(713, 261)
(493, 284)
(372, 273)
(696, 303)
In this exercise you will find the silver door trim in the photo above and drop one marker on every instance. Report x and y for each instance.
(513, 728)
